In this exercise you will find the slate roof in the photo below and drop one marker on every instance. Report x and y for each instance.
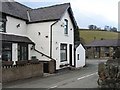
(15, 38)
(100, 43)
(15, 9)
(48, 13)
(51, 13)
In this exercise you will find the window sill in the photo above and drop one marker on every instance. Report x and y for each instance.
(2, 32)
(66, 35)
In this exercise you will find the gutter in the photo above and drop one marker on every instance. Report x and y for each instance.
(51, 34)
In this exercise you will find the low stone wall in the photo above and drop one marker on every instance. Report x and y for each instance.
(21, 72)
(52, 66)
(49, 66)
(109, 74)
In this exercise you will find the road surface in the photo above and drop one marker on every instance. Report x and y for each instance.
(81, 78)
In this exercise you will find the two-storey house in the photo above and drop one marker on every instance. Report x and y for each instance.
(41, 33)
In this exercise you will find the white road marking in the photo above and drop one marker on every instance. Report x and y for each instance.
(86, 76)
(54, 86)
(77, 79)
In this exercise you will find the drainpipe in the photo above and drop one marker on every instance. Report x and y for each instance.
(28, 15)
(51, 28)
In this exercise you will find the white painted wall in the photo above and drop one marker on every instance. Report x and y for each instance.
(59, 37)
(41, 42)
(81, 51)
(14, 52)
(11, 26)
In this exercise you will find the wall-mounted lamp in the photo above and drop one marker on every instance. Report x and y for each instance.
(18, 25)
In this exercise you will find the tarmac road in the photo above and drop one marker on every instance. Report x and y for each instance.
(81, 78)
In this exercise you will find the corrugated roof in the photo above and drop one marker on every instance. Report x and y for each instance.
(15, 38)
(100, 43)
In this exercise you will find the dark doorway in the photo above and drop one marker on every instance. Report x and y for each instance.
(70, 50)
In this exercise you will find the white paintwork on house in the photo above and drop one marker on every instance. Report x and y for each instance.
(81, 51)
(43, 44)
(14, 52)
(59, 37)
(11, 26)
(39, 33)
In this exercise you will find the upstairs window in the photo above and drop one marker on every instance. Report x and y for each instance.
(2, 23)
(2, 26)
(66, 27)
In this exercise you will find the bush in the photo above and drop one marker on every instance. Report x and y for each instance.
(117, 53)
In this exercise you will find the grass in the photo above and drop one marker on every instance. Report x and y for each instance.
(90, 35)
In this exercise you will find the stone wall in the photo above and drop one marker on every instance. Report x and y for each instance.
(21, 72)
(92, 53)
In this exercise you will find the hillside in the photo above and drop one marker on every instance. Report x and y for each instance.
(90, 35)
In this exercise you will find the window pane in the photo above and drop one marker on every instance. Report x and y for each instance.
(66, 27)
(63, 55)
(1, 26)
(63, 52)
(78, 56)
(22, 52)
(7, 51)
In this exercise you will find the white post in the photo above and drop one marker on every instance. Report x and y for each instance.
(14, 52)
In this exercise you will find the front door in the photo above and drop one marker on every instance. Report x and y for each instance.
(70, 55)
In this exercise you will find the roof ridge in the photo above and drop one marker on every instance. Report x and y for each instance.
(50, 6)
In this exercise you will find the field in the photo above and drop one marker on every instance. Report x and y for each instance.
(91, 35)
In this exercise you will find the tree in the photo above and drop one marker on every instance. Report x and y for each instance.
(92, 27)
(113, 29)
(107, 28)
(76, 35)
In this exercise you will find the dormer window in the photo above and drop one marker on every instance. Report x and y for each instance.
(66, 26)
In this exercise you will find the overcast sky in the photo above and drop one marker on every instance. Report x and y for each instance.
(86, 12)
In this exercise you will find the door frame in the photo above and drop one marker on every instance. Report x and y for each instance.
(70, 54)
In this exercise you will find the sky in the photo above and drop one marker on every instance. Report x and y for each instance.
(86, 12)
